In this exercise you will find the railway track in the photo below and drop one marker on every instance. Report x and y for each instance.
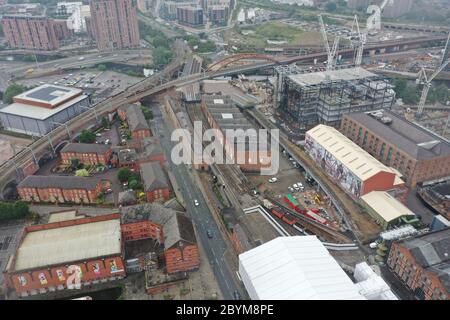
(107, 105)
(314, 226)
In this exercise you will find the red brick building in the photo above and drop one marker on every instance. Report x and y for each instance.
(419, 154)
(172, 229)
(155, 182)
(43, 263)
(422, 264)
(34, 32)
(223, 115)
(114, 24)
(87, 153)
(135, 118)
(61, 189)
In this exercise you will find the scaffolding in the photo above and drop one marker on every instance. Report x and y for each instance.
(324, 97)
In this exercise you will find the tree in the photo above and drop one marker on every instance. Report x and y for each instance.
(12, 91)
(134, 184)
(105, 123)
(399, 86)
(161, 56)
(410, 95)
(148, 114)
(74, 163)
(11, 211)
(82, 173)
(440, 93)
(87, 136)
(123, 174)
(331, 6)
(101, 68)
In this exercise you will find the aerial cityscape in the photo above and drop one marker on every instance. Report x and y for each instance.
(240, 150)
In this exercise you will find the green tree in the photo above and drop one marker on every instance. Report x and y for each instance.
(74, 163)
(134, 184)
(161, 56)
(440, 93)
(148, 114)
(87, 136)
(331, 6)
(82, 173)
(123, 174)
(410, 95)
(12, 91)
(101, 67)
(399, 86)
(105, 123)
(12, 211)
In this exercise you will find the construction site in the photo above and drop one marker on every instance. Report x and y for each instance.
(305, 99)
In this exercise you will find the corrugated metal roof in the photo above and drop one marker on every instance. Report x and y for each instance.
(295, 268)
(386, 206)
(357, 160)
(67, 244)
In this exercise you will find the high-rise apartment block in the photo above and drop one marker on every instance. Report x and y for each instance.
(114, 24)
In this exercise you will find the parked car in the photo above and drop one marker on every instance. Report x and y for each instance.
(209, 234)
(272, 180)
(291, 189)
(196, 203)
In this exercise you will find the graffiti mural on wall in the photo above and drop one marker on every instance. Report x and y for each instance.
(333, 167)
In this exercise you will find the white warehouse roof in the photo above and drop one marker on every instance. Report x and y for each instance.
(386, 206)
(294, 268)
(357, 160)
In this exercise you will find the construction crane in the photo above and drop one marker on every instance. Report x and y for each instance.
(373, 22)
(359, 44)
(424, 80)
(331, 52)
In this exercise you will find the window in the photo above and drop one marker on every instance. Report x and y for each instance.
(383, 147)
(365, 138)
(359, 135)
(389, 155)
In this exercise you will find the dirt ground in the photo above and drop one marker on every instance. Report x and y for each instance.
(366, 227)
(201, 285)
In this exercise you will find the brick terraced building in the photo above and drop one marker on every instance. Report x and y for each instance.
(419, 154)
(423, 264)
(49, 253)
(135, 118)
(172, 229)
(60, 189)
(155, 182)
(87, 153)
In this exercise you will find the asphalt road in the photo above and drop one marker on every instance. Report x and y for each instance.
(75, 62)
(216, 247)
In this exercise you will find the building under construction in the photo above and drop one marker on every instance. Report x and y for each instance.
(305, 98)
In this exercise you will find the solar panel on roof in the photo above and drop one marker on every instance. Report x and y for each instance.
(47, 93)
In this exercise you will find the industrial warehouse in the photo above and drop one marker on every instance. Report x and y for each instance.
(356, 171)
(306, 99)
(41, 263)
(40, 110)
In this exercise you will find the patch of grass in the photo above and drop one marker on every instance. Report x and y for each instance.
(273, 30)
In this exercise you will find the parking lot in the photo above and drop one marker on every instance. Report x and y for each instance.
(292, 180)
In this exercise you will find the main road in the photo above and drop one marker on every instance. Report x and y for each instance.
(215, 247)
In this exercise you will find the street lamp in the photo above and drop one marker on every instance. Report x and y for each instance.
(63, 124)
